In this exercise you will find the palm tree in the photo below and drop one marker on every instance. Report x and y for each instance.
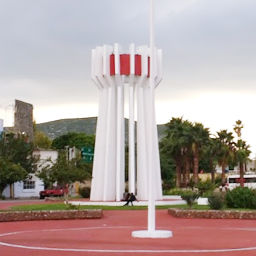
(169, 147)
(176, 143)
(210, 152)
(238, 128)
(199, 138)
(242, 150)
(226, 150)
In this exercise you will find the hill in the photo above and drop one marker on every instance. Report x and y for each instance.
(87, 125)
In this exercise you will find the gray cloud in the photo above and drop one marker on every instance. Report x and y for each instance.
(45, 45)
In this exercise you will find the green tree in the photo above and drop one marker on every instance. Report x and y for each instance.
(242, 150)
(41, 140)
(209, 157)
(16, 159)
(10, 173)
(16, 149)
(73, 139)
(167, 168)
(200, 138)
(64, 172)
(177, 144)
(238, 128)
(226, 150)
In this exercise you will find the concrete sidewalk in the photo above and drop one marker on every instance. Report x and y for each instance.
(167, 200)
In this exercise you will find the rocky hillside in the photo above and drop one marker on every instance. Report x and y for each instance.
(87, 125)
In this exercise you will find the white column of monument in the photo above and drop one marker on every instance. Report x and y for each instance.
(99, 152)
(110, 134)
(120, 125)
(131, 122)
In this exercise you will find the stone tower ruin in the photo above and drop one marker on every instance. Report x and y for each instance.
(23, 119)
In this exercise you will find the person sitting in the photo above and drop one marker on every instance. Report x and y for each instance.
(130, 198)
(125, 196)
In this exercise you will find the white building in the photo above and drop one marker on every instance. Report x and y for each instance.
(32, 185)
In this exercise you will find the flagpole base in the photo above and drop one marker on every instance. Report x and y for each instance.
(152, 234)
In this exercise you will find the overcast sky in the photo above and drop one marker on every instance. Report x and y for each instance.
(209, 57)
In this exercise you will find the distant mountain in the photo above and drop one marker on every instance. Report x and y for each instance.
(87, 125)
(57, 128)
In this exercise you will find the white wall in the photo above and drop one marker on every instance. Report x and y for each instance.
(6, 192)
(19, 190)
(46, 157)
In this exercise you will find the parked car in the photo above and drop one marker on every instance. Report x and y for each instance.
(55, 191)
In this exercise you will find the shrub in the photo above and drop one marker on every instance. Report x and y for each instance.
(192, 183)
(72, 207)
(218, 180)
(173, 191)
(241, 198)
(205, 187)
(167, 185)
(84, 192)
(253, 202)
(216, 201)
(189, 196)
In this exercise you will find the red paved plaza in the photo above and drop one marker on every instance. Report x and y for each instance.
(111, 235)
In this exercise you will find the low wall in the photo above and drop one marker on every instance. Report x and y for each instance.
(50, 215)
(212, 214)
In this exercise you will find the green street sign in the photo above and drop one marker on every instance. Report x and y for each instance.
(87, 154)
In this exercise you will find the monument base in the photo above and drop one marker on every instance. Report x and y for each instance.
(152, 234)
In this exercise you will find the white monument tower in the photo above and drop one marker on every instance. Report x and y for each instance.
(140, 69)
(112, 70)
(1, 126)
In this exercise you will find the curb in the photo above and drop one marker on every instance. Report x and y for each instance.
(212, 214)
(50, 215)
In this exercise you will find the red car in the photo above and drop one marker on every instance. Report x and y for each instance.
(55, 191)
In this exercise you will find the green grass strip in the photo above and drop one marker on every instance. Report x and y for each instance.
(62, 206)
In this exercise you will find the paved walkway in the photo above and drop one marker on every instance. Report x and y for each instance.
(167, 200)
(111, 235)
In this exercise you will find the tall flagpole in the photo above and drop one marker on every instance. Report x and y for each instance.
(151, 232)
(151, 188)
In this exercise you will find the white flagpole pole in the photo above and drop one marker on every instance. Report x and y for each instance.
(151, 188)
(151, 232)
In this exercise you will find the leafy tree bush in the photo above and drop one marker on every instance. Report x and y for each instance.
(217, 181)
(84, 192)
(204, 187)
(64, 172)
(216, 201)
(167, 169)
(241, 198)
(189, 196)
(73, 139)
(10, 173)
(16, 149)
(173, 191)
(253, 200)
(16, 159)
(41, 140)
